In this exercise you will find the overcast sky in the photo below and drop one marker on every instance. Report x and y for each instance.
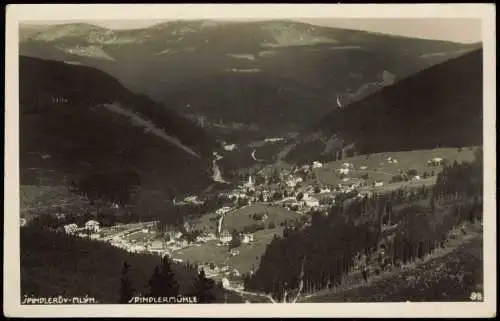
(451, 29)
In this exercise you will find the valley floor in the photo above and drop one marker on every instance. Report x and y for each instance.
(447, 274)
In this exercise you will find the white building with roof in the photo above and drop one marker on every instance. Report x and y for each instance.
(71, 228)
(223, 210)
(193, 199)
(247, 238)
(344, 170)
(93, 226)
(317, 164)
(136, 248)
(225, 237)
(293, 181)
(225, 283)
(94, 236)
(325, 190)
(156, 246)
(250, 182)
(310, 201)
(230, 147)
(436, 161)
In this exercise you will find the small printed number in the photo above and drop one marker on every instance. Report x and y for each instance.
(476, 296)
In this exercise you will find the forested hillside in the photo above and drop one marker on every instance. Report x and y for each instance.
(384, 231)
(441, 106)
(54, 264)
(79, 124)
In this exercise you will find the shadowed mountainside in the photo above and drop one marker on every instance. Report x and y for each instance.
(77, 121)
(438, 107)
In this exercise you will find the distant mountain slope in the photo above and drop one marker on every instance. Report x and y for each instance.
(77, 121)
(438, 107)
(228, 73)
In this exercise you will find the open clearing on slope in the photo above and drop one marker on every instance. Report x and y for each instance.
(378, 168)
(36, 195)
(240, 218)
(36, 199)
(248, 258)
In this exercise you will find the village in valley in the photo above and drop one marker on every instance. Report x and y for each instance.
(229, 241)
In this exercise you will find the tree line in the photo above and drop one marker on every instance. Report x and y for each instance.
(163, 283)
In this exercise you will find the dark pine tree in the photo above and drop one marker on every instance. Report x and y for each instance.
(126, 290)
(155, 286)
(235, 241)
(203, 288)
(162, 283)
(169, 285)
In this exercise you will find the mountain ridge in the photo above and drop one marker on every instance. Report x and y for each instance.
(331, 61)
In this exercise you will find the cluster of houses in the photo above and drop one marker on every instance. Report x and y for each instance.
(132, 247)
(193, 199)
(225, 237)
(170, 242)
(392, 160)
(436, 161)
(91, 228)
(317, 164)
(306, 202)
(273, 139)
(147, 242)
(223, 210)
(230, 147)
(345, 168)
(289, 183)
(224, 273)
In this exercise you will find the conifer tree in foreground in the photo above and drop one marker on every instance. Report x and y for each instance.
(155, 283)
(169, 284)
(162, 283)
(126, 290)
(203, 288)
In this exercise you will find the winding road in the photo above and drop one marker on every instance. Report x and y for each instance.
(217, 174)
(256, 294)
(255, 158)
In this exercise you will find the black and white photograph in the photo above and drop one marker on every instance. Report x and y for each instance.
(164, 155)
